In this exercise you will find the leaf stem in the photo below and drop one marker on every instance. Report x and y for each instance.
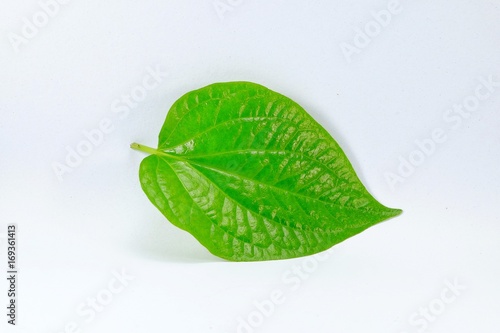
(143, 148)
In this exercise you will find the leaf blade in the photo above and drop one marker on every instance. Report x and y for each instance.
(262, 178)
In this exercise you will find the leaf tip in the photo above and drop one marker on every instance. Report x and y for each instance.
(393, 212)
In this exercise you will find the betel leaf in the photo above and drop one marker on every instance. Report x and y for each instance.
(252, 176)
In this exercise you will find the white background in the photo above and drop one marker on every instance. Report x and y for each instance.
(75, 233)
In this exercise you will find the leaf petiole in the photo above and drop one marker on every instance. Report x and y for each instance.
(153, 151)
(143, 148)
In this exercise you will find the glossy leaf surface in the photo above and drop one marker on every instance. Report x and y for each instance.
(253, 176)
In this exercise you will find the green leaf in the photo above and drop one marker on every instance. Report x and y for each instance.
(252, 176)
